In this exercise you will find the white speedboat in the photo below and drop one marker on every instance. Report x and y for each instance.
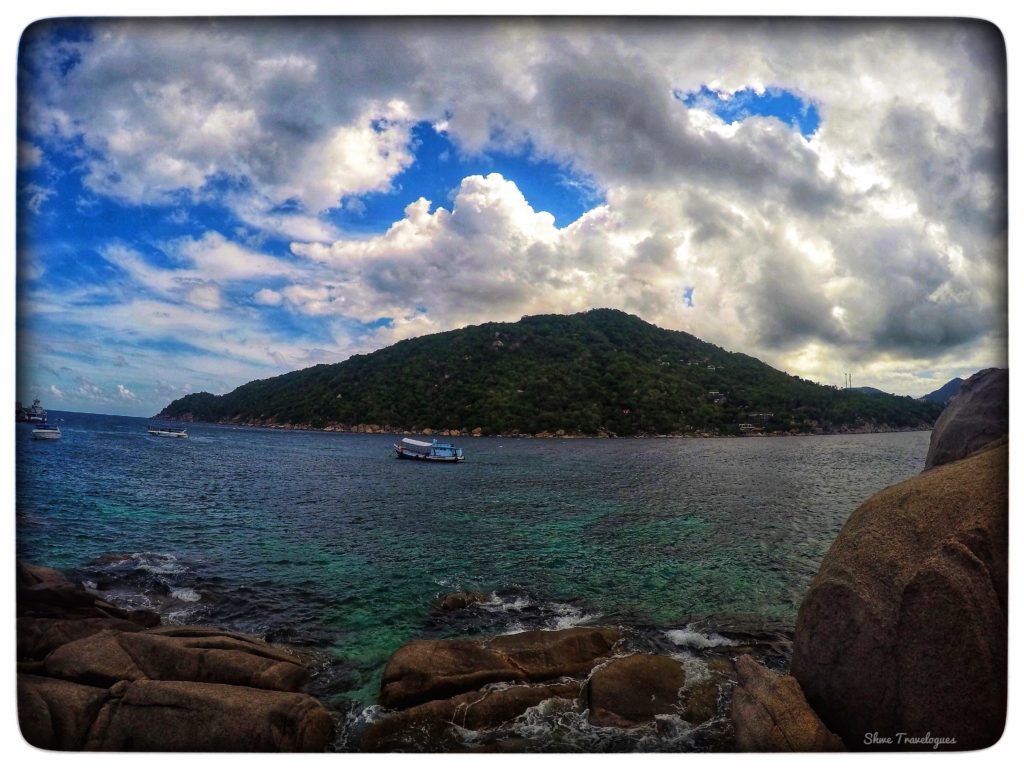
(46, 432)
(167, 432)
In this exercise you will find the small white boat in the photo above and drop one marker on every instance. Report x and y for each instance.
(432, 451)
(46, 432)
(167, 432)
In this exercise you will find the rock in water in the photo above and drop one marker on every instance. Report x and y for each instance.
(456, 601)
(974, 418)
(770, 714)
(427, 727)
(630, 691)
(435, 669)
(904, 629)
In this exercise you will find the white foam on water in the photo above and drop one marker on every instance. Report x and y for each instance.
(693, 639)
(158, 563)
(514, 628)
(567, 616)
(89, 584)
(185, 594)
(496, 603)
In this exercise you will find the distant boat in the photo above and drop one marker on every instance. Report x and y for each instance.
(46, 432)
(432, 451)
(33, 415)
(167, 432)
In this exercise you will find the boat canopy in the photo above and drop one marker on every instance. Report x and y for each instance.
(419, 443)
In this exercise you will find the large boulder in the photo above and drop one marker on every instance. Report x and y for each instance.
(435, 669)
(632, 690)
(426, 726)
(770, 713)
(37, 636)
(159, 716)
(56, 714)
(109, 656)
(979, 414)
(904, 628)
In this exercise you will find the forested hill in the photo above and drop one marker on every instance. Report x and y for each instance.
(602, 371)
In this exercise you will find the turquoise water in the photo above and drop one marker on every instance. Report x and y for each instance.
(325, 541)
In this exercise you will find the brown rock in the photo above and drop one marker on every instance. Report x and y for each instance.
(46, 592)
(630, 691)
(700, 704)
(977, 416)
(456, 601)
(56, 714)
(37, 636)
(433, 669)
(770, 714)
(107, 657)
(427, 727)
(904, 628)
(159, 716)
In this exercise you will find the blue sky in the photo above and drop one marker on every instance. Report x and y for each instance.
(785, 106)
(204, 203)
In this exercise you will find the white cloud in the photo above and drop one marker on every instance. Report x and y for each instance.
(56, 392)
(205, 296)
(126, 394)
(268, 297)
(36, 196)
(355, 159)
(214, 257)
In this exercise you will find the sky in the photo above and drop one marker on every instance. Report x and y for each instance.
(203, 203)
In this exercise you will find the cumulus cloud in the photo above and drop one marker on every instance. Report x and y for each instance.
(56, 392)
(880, 240)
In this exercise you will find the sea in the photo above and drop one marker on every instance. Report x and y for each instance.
(327, 543)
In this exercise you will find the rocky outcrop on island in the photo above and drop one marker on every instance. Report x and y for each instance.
(904, 629)
(94, 677)
(979, 414)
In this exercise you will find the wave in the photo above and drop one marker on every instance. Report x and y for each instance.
(692, 638)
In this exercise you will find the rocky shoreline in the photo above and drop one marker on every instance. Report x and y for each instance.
(94, 677)
(561, 434)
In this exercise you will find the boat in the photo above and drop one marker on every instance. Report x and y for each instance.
(432, 451)
(167, 432)
(33, 415)
(46, 431)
